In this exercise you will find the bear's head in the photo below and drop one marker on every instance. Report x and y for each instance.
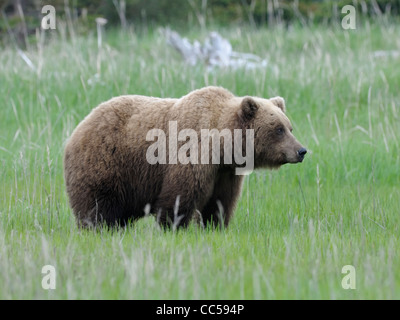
(274, 143)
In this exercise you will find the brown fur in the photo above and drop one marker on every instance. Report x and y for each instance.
(109, 180)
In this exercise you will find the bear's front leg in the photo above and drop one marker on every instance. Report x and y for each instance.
(174, 210)
(181, 191)
(219, 209)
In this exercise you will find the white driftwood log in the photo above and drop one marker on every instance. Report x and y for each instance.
(215, 52)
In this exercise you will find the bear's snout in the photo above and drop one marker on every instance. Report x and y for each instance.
(301, 153)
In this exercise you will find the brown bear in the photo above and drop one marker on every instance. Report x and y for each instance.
(126, 159)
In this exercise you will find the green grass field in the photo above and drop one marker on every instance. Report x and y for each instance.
(293, 229)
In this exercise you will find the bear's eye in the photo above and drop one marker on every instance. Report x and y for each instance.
(280, 130)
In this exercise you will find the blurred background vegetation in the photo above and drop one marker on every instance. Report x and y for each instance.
(21, 18)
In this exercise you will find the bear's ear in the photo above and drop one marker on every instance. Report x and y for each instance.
(248, 109)
(279, 102)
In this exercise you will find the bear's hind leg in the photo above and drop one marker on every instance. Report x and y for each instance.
(106, 211)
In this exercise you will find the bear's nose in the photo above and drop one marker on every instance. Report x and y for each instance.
(302, 152)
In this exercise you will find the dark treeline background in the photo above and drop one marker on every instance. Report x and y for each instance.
(19, 16)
